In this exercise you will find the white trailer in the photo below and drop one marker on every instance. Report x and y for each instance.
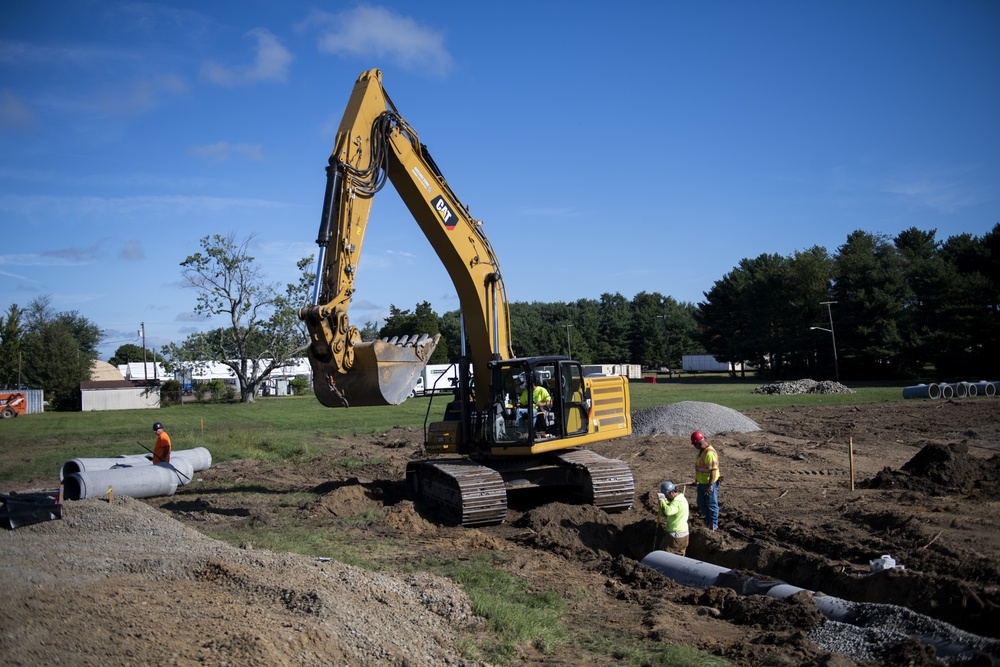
(436, 379)
(703, 363)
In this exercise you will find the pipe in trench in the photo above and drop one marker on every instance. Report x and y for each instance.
(699, 574)
(199, 459)
(144, 481)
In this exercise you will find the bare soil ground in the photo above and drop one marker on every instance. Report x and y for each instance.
(926, 476)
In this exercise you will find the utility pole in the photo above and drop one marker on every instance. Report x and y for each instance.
(833, 337)
(142, 334)
(569, 348)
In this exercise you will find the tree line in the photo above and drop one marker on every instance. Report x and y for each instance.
(907, 307)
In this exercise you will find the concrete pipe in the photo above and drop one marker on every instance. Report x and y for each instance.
(684, 570)
(984, 388)
(947, 391)
(959, 389)
(946, 639)
(970, 389)
(161, 479)
(199, 458)
(922, 391)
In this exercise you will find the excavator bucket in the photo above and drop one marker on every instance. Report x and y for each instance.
(383, 373)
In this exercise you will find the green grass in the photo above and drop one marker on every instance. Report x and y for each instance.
(515, 615)
(290, 430)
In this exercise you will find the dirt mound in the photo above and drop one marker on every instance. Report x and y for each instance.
(940, 468)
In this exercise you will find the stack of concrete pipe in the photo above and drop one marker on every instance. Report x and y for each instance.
(953, 389)
(134, 475)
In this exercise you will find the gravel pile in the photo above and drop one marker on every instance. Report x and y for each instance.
(687, 416)
(805, 386)
(876, 628)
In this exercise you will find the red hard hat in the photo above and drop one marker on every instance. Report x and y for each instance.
(697, 437)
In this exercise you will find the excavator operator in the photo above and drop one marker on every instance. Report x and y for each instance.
(541, 400)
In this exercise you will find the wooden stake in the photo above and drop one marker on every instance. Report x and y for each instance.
(850, 449)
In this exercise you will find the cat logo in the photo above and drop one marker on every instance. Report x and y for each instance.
(448, 217)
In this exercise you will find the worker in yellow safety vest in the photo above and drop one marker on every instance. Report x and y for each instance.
(707, 477)
(673, 507)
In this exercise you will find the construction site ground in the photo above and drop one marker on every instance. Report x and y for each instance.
(135, 583)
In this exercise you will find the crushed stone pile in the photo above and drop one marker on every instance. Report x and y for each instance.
(686, 416)
(804, 386)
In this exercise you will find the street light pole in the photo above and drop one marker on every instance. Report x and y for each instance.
(833, 337)
(569, 348)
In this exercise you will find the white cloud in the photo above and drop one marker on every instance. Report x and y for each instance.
(271, 63)
(222, 151)
(939, 194)
(142, 96)
(377, 33)
(13, 112)
(104, 207)
(132, 251)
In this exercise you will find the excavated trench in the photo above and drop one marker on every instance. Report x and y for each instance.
(943, 611)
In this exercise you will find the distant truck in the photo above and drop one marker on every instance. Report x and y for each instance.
(437, 379)
(703, 363)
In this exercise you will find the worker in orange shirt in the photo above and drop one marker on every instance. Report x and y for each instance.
(161, 450)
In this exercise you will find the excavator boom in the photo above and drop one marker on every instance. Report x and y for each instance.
(515, 422)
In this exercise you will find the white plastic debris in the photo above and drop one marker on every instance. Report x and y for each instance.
(886, 562)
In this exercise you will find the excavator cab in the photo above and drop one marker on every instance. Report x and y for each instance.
(537, 399)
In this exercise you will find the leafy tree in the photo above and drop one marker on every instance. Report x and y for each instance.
(58, 351)
(615, 321)
(11, 336)
(871, 294)
(130, 352)
(762, 310)
(263, 331)
(972, 313)
(423, 320)
(368, 332)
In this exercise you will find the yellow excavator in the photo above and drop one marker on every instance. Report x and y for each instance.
(515, 422)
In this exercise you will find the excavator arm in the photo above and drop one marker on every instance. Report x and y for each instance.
(374, 143)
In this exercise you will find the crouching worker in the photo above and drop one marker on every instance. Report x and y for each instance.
(673, 508)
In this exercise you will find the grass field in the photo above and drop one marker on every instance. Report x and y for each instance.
(292, 429)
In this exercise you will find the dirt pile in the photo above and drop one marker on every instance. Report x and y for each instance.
(940, 469)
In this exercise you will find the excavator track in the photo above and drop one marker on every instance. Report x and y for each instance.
(464, 490)
(611, 486)
(474, 494)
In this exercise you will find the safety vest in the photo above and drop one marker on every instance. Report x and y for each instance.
(708, 460)
(675, 514)
(538, 395)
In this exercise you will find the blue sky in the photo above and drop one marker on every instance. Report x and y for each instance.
(608, 147)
